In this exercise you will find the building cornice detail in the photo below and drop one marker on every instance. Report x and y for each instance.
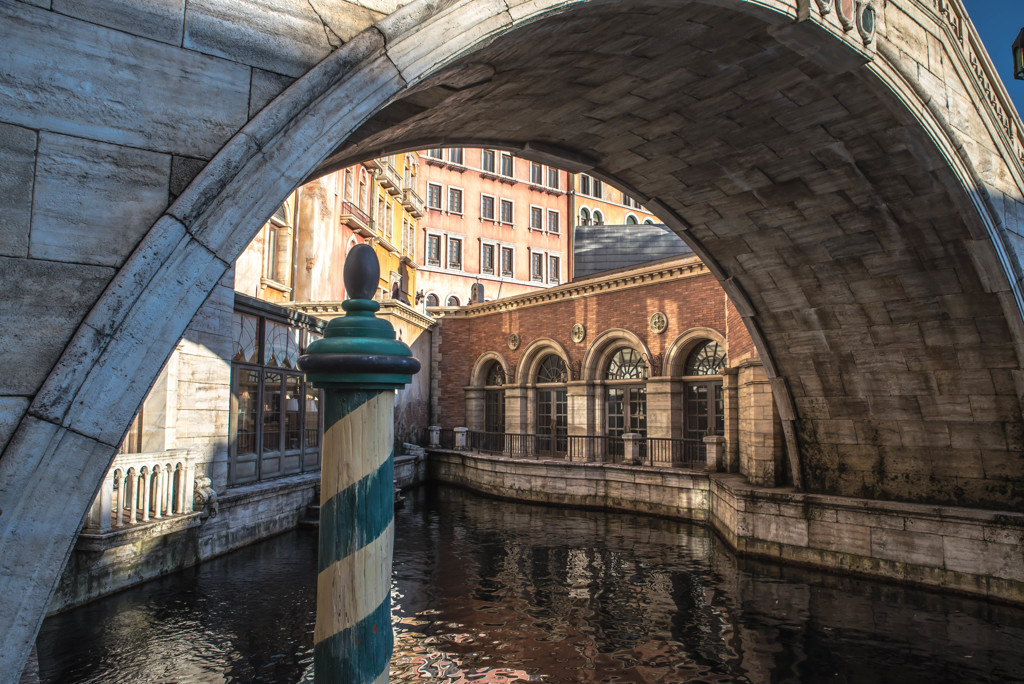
(687, 267)
(388, 307)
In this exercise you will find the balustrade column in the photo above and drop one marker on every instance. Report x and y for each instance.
(144, 498)
(133, 496)
(118, 495)
(159, 472)
(359, 364)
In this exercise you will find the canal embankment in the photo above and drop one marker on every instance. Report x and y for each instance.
(971, 551)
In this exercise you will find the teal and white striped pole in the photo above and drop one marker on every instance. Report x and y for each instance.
(358, 363)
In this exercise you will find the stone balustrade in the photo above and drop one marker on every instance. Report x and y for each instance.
(142, 487)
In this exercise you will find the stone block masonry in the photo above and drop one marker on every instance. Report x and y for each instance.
(971, 551)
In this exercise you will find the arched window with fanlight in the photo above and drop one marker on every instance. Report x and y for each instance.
(625, 396)
(431, 300)
(552, 406)
(494, 403)
(703, 402)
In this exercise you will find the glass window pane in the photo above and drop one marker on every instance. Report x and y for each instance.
(271, 412)
(246, 396)
(292, 413)
(244, 334)
(312, 417)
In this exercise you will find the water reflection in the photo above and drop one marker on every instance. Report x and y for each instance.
(489, 591)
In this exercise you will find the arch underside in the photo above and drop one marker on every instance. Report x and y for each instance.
(814, 189)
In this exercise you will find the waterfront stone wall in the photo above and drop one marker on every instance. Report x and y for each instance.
(966, 550)
(101, 564)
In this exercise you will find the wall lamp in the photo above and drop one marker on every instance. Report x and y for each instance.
(1018, 56)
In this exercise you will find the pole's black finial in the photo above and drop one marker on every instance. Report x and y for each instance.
(362, 272)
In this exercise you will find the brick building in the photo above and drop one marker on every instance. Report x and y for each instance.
(655, 350)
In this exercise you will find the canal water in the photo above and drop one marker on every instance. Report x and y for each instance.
(492, 591)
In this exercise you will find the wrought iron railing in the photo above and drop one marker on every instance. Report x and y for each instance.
(654, 451)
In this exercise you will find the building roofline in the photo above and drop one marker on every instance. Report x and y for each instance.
(672, 268)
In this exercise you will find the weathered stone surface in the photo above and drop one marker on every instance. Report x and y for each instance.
(44, 303)
(183, 170)
(93, 201)
(40, 458)
(11, 411)
(283, 37)
(160, 20)
(177, 290)
(115, 87)
(266, 85)
(17, 169)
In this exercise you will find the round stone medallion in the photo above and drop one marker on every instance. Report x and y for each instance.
(578, 333)
(659, 322)
(513, 341)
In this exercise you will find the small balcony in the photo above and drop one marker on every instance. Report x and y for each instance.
(387, 176)
(356, 219)
(413, 202)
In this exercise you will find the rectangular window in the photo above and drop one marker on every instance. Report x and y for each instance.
(487, 259)
(507, 166)
(536, 173)
(553, 269)
(553, 178)
(272, 250)
(507, 262)
(554, 221)
(454, 253)
(433, 195)
(625, 199)
(433, 250)
(506, 211)
(455, 155)
(536, 218)
(436, 153)
(487, 160)
(487, 207)
(537, 266)
(455, 200)
(584, 184)
(597, 188)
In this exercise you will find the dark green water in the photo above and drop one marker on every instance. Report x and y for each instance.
(490, 591)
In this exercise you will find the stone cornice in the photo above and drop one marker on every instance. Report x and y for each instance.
(675, 269)
(329, 310)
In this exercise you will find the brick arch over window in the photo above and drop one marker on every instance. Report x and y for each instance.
(534, 354)
(679, 351)
(604, 346)
(864, 163)
(478, 375)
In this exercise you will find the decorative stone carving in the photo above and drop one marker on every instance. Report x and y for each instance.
(206, 497)
(653, 362)
(866, 20)
(659, 322)
(579, 333)
(576, 370)
(513, 341)
(847, 13)
(824, 6)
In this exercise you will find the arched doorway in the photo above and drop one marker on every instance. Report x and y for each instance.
(552, 407)
(703, 400)
(625, 397)
(494, 409)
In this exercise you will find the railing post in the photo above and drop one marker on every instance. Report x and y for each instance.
(435, 435)
(118, 496)
(714, 445)
(631, 455)
(359, 364)
(461, 438)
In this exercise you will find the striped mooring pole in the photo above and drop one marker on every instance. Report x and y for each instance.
(359, 364)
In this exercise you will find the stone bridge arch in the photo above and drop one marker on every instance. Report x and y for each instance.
(857, 192)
